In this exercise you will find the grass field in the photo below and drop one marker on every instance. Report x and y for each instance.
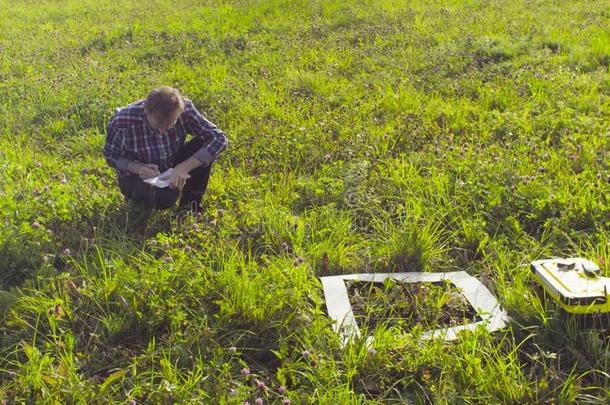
(363, 136)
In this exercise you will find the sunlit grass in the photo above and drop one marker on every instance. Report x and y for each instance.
(364, 136)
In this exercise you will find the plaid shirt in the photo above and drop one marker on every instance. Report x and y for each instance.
(130, 137)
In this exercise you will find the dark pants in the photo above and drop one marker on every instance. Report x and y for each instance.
(134, 188)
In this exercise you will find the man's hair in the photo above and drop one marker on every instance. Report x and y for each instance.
(163, 101)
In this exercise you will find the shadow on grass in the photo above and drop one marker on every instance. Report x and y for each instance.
(16, 265)
(121, 228)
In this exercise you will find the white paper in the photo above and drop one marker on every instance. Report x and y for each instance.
(161, 180)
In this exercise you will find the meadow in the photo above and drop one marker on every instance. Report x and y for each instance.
(364, 136)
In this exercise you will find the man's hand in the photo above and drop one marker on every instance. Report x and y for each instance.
(177, 178)
(147, 170)
(181, 172)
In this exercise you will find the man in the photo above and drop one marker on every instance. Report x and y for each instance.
(149, 136)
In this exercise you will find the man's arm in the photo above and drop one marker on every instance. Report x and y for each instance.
(113, 148)
(144, 170)
(114, 154)
(215, 141)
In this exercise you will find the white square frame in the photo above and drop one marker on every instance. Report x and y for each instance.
(493, 316)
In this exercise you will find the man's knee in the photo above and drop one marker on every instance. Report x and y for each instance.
(164, 198)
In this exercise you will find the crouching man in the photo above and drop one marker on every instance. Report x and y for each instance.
(148, 137)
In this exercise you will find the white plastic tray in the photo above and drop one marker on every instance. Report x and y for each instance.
(492, 315)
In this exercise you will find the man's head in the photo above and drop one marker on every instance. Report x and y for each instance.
(163, 107)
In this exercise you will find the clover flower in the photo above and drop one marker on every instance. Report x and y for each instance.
(260, 385)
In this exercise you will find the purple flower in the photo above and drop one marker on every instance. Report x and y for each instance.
(285, 401)
(260, 385)
(258, 401)
(305, 353)
(245, 371)
(188, 248)
(67, 252)
(281, 389)
(132, 402)
(35, 225)
(298, 261)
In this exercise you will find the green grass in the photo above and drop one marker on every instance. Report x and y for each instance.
(364, 136)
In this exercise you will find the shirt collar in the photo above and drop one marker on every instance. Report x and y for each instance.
(153, 130)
